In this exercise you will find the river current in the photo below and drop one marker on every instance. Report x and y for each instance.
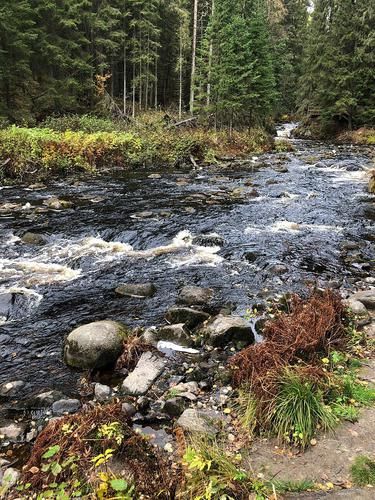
(303, 218)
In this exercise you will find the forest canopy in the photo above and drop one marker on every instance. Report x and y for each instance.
(237, 62)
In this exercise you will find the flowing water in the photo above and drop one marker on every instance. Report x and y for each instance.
(310, 223)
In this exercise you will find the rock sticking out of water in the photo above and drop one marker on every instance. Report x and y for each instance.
(191, 317)
(95, 345)
(138, 291)
(224, 329)
(195, 296)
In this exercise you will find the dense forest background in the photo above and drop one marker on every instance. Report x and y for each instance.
(237, 62)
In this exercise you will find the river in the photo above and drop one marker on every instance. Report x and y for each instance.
(249, 233)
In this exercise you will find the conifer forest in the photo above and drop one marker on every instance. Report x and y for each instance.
(187, 249)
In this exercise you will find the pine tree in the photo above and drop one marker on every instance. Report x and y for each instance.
(17, 33)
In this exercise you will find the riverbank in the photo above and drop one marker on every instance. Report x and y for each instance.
(77, 250)
(225, 432)
(313, 130)
(88, 144)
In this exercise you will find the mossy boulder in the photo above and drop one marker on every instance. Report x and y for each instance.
(95, 345)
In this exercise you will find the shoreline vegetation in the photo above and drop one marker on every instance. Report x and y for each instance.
(71, 144)
(87, 143)
(302, 386)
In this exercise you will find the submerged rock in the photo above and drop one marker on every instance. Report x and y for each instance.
(95, 345)
(33, 239)
(195, 295)
(65, 406)
(224, 329)
(191, 317)
(57, 204)
(133, 290)
(148, 369)
(11, 388)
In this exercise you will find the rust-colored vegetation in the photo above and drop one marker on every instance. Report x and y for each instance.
(79, 439)
(299, 337)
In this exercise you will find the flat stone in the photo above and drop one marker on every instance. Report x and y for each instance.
(367, 298)
(134, 290)
(191, 317)
(102, 392)
(48, 398)
(148, 369)
(12, 432)
(95, 345)
(65, 406)
(195, 295)
(224, 329)
(204, 421)
(11, 388)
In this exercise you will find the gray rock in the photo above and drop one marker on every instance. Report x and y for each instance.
(102, 392)
(204, 421)
(187, 387)
(224, 329)
(174, 333)
(174, 407)
(148, 369)
(95, 345)
(9, 479)
(359, 310)
(11, 388)
(191, 317)
(57, 204)
(133, 290)
(33, 239)
(48, 398)
(280, 169)
(195, 295)
(12, 432)
(277, 269)
(367, 298)
(65, 406)
(128, 409)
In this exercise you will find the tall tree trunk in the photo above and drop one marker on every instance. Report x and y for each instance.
(180, 77)
(156, 82)
(193, 57)
(210, 54)
(125, 82)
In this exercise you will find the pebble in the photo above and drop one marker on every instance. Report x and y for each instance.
(10, 388)
(102, 392)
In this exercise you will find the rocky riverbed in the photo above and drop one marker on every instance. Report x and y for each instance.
(189, 260)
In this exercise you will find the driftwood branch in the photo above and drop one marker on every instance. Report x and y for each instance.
(183, 123)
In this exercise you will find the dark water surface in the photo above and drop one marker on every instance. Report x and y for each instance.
(314, 223)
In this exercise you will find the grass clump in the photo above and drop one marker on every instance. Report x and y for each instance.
(213, 473)
(299, 410)
(363, 471)
(292, 486)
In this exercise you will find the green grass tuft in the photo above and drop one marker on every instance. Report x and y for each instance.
(292, 486)
(299, 410)
(363, 471)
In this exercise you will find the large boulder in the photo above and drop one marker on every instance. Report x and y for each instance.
(95, 345)
(224, 329)
(191, 317)
(195, 295)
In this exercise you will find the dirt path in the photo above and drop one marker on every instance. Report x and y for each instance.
(330, 460)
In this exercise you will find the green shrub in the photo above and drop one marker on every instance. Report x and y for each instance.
(299, 410)
(363, 471)
(83, 123)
